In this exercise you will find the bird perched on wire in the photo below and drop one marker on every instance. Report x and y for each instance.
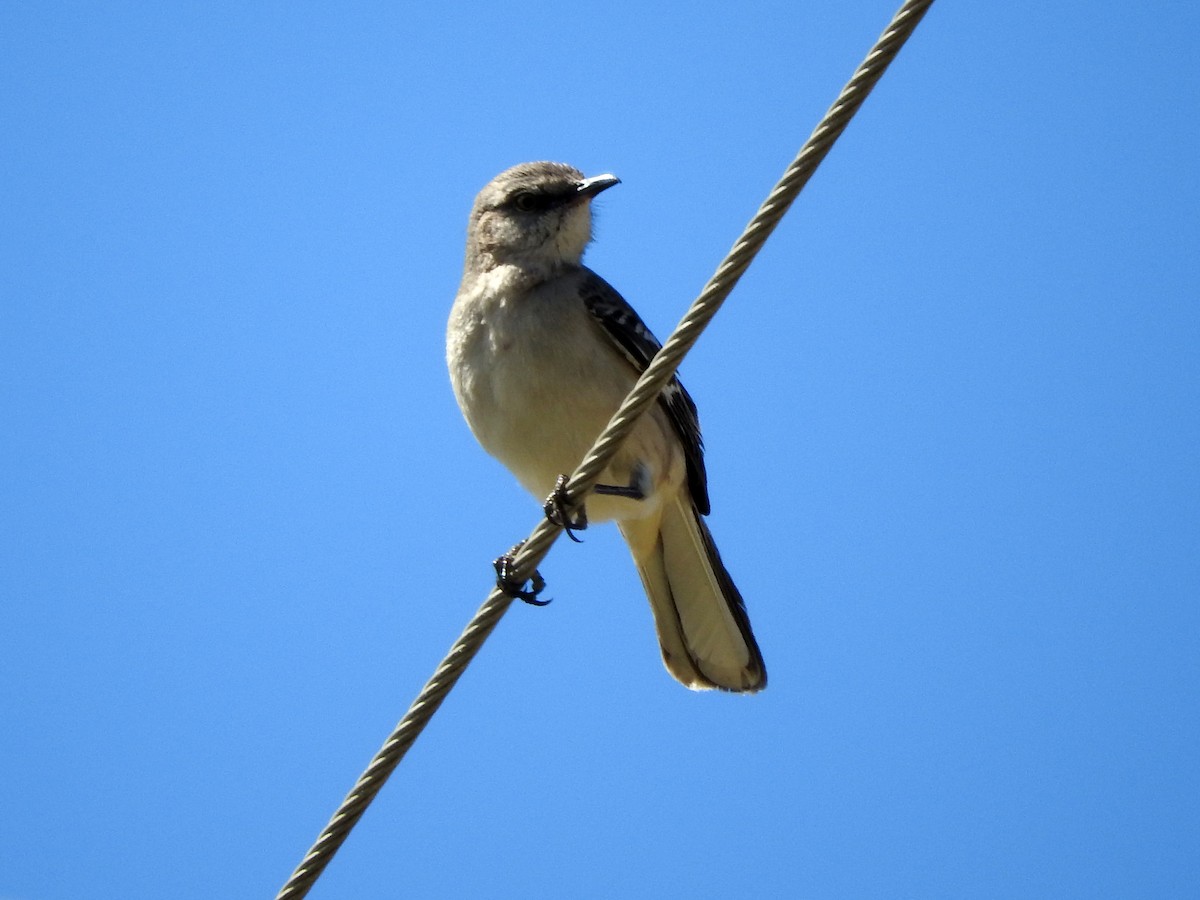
(541, 353)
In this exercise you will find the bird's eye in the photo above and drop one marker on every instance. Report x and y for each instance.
(527, 201)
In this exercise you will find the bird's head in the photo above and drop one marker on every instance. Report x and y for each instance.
(536, 216)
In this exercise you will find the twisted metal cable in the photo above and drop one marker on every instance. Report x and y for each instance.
(645, 392)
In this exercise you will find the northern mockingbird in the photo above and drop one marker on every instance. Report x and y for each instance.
(541, 353)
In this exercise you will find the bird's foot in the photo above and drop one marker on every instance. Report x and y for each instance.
(516, 589)
(557, 509)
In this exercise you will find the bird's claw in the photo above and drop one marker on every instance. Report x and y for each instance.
(558, 512)
(516, 589)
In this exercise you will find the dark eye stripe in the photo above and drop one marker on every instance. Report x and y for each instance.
(534, 201)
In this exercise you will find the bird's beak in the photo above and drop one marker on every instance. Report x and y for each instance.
(590, 187)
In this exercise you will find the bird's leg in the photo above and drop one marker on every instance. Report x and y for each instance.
(516, 589)
(558, 511)
(629, 491)
(635, 490)
(639, 485)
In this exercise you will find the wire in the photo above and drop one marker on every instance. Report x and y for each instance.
(644, 393)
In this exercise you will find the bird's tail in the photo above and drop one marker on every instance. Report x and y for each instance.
(701, 618)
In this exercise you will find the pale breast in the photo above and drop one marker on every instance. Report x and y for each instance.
(537, 383)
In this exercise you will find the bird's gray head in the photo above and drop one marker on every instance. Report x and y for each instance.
(536, 216)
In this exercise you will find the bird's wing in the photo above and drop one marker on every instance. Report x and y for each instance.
(629, 334)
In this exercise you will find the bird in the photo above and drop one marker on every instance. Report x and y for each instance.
(541, 352)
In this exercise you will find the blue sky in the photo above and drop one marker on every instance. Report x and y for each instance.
(951, 418)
